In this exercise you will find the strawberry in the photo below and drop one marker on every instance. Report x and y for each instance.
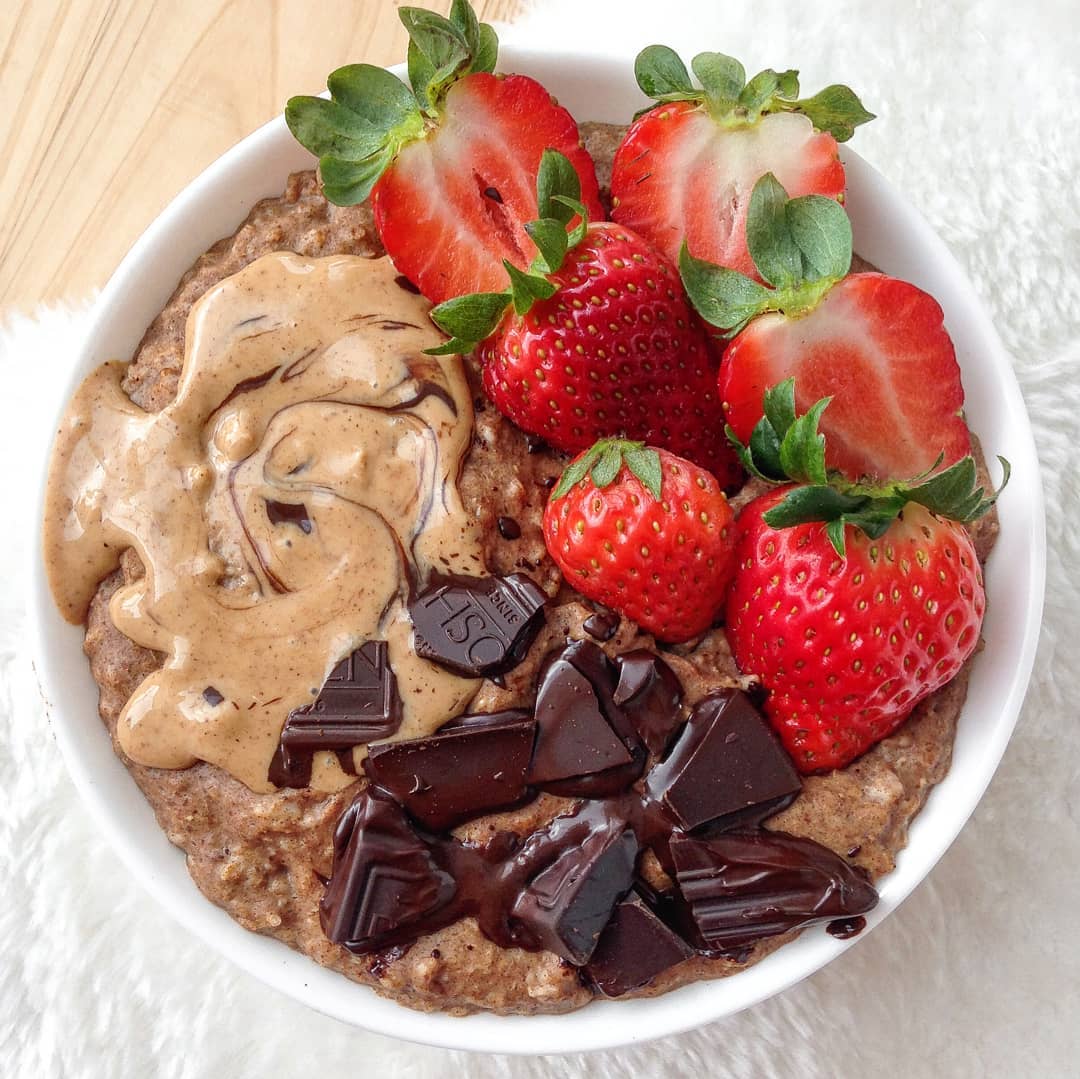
(450, 166)
(596, 339)
(850, 604)
(875, 345)
(686, 168)
(644, 532)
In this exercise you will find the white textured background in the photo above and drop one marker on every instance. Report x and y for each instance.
(979, 972)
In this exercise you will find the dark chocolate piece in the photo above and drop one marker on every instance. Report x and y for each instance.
(744, 888)
(846, 928)
(212, 696)
(635, 947)
(384, 879)
(289, 513)
(727, 766)
(651, 694)
(585, 743)
(602, 625)
(509, 529)
(358, 703)
(477, 626)
(567, 905)
(573, 736)
(469, 768)
(403, 282)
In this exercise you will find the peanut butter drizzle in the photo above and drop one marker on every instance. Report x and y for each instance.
(303, 383)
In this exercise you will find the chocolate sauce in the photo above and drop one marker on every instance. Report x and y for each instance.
(291, 513)
(846, 928)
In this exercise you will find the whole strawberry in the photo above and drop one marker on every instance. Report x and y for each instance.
(645, 532)
(851, 604)
(596, 340)
(685, 169)
(875, 345)
(450, 164)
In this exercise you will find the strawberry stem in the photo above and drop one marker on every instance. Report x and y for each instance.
(785, 447)
(604, 460)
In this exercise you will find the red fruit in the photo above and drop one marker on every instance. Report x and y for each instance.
(848, 646)
(646, 533)
(879, 348)
(616, 351)
(454, 204)
(679, 174)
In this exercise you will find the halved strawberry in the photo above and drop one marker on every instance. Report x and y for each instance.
(687, 167)
(451, 166)
(876, 346)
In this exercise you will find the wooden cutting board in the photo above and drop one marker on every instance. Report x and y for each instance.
(112, 106)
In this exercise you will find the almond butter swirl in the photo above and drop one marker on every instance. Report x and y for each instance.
(304, 385)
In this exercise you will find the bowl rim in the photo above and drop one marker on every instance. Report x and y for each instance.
(602, 1024)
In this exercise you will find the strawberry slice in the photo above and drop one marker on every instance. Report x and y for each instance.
(879, 348)
(450, 165)
(454, 205)
(687, 167)
(875, 346)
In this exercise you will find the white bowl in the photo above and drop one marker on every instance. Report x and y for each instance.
(889, 233)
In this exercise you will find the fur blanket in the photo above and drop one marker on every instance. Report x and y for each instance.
(977, 973)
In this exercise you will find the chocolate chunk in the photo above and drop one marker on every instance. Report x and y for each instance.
(567, 905)
(602, 625)
(404, 283)
(472, 767)
(477, 626)
(384, 879)
(358, 703)
(289, 513)
(635, 947)
(743, 888)
(535, 444)
(582, 736)
(509, 529)
(727, 766)
(651, 694)
(212, 696)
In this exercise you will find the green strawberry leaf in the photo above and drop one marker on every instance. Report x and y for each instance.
(551, 242)
(779, 406)
(818, 502)
(662, 75)
(328, 127)
(468, 320)
(347, 183)
(556, 182)
(721, 77)
(725, 298)
(487, 51)
(645, 464)
(603, 462)
(837, 110)
(802, 451)
(373, 93)
(768, 236)
(821, 229)
(526, 288)
(463, 19)
(438, 50)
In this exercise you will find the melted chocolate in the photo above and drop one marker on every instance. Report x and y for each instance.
(509, 529)
(562, 888)
(846, 928)
(477, 626)
(743, 888)
(291, 513)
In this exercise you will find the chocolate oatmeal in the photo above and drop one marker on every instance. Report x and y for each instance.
(292, 498)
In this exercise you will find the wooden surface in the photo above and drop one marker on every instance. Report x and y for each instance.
(112, 106)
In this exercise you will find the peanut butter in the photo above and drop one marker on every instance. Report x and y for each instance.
(303, 480)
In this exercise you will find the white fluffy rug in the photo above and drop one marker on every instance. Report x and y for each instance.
(978, 973)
